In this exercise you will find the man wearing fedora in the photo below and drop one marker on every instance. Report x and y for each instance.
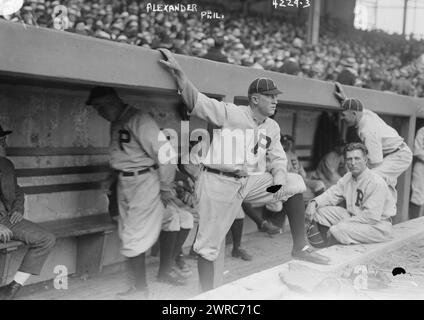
(14, 227)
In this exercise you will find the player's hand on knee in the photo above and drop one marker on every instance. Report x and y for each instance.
(16, 217)
(5, 233)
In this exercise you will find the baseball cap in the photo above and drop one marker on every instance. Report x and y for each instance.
(4, 133)
(98, 92)
(263, 86)
(352, 104)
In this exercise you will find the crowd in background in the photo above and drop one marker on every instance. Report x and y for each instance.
(367, 59)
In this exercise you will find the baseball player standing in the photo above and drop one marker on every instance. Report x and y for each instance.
(388, 154)
(367, 215)
(142, 181)
(224, 185)
(417, 183)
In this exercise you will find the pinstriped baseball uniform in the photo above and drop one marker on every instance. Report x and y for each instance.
(220, 196)
(417, 184)
(134, 146)
(386, 148)
(366, 217)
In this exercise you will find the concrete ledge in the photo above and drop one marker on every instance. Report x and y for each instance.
(266, 285)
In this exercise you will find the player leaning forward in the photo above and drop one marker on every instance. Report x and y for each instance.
(388, 154)
(223, 187)
(144, 182)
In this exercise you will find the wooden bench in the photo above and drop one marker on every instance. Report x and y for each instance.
(91, 233)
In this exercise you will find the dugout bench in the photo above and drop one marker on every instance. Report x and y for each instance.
(91, 233)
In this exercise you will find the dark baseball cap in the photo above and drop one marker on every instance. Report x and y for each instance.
(98, 92)
(263, 86)
(352, 104)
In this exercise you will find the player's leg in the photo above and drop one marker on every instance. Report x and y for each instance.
(167, 239)
(186, 224)
(323, 220)
(255, 213)
(40, 242)
(237, 233)
(353, 232)
(141, 213)
(417, 190)
(219, 203)
(295, 209)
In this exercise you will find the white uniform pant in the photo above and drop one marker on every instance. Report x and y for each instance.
(417, 184)
(141, 212)
(348, 231)
(220, 198)
(176, 218)
(393, 166)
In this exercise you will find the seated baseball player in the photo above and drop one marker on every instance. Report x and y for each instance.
(314, 186)
(176, 225)
(14, 227)
(366, 216)
(331, 167)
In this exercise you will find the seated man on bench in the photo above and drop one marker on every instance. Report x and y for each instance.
(366, 218)
(14, 227)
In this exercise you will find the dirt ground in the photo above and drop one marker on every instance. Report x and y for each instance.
(267, 252)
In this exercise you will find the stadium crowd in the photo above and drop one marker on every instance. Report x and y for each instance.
(374, 60)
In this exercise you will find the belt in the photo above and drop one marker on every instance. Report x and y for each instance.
(394, 151)
(138, 172)
(222, 173)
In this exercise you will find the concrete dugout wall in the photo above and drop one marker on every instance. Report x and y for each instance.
(45, 77)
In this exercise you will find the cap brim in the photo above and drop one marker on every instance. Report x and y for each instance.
(275, 91)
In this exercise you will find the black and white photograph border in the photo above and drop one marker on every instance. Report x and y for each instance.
(110, 110)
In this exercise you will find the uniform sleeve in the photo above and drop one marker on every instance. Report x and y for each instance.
(334, 195)
(373, 204)
(276, 157)
(19, 203)
(372, 141)
(419, 145)
(208, 109)
(155, 144)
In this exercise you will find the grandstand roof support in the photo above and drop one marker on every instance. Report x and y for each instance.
(405, 9)
(313, 22)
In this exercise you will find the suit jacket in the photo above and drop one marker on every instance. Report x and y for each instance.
(12, 197)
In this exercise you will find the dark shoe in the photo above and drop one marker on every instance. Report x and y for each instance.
(9, 291)
(241, 253)
(269, 228)
(173, 278)
(134, 293)
(308, 254)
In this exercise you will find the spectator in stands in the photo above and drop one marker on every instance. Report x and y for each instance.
(215, 53)
(348, 74)
(13, 226)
